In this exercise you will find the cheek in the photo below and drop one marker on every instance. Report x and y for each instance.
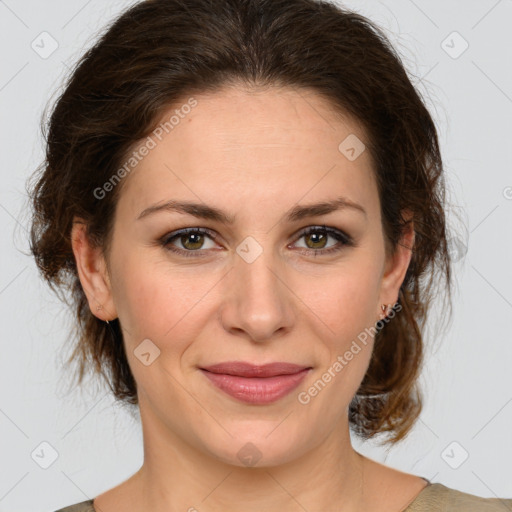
(158, 301)
(346, 303)
(345, 300)
(142, 293)
(347, 307)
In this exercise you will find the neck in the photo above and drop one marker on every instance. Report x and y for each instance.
(177, 476)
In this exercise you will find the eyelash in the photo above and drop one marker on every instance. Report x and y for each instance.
(346, 241)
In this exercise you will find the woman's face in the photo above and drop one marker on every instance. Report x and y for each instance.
(253, 289)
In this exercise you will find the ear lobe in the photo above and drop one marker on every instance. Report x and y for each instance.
(398, 263)
(92, 272)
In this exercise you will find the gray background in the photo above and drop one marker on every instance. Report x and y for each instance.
(467, 377)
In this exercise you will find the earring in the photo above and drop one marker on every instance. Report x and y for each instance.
(384, 308)
(99, 308)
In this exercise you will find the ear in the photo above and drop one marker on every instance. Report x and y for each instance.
(92, 272)
(396, 264)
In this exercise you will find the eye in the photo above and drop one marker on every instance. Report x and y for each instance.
(192, 241)
(316, 240)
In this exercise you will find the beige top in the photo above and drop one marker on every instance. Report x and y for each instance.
(432, 498)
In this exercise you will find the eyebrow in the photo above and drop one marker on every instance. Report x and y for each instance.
(203, 211)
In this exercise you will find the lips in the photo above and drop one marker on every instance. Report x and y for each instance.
(256, 385)
(243, 369)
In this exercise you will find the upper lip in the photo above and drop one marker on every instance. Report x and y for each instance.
(243, 369)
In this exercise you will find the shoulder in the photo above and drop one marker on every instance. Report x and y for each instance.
(437, 497)
(83, 506)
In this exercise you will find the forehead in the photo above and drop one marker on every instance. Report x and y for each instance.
(261, 144)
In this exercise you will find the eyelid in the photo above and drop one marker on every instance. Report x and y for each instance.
(344, 239)
(334, 232)
(184, 231)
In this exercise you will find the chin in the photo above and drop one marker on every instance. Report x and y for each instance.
(258, 447)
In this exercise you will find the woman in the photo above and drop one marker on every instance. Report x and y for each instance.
(247, 206)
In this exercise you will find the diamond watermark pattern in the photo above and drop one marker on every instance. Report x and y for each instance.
(352, 147)
(457, 249)
(44, 45)
(249, 249)
(454, 455)
(249, 454)
(44, 455)
(454, 45)
(146, 352)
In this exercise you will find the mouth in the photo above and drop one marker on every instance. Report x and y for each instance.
(253, 384)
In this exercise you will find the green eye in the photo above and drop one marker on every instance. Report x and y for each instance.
(192, 241)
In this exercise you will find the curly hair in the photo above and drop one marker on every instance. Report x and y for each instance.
(159, 51)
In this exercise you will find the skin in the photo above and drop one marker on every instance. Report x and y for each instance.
(254, 154)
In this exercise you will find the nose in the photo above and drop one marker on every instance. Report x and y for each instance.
(257, 301)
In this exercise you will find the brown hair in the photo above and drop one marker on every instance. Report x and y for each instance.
(160, 51)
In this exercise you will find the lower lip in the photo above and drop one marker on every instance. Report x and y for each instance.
(257, 390)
